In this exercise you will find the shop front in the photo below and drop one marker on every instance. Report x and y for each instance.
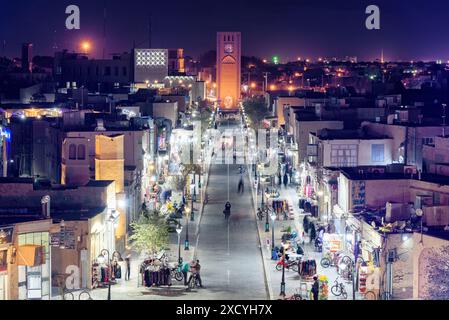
(6, 249)
(34, 267)
(370, 269)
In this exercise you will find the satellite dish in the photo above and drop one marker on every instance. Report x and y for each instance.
(419, 212)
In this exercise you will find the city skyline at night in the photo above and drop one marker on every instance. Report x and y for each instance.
(292, 28)
(195, 155)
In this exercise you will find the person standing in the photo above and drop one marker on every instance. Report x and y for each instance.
(315, 288)
(185, 271)
(128, 268)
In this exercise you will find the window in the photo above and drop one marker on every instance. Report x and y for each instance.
(116, 71)
(125, 71)
(81, 152)
(72, 152)
(107, 71)
(427, 141)
(378, 153)
(344, 155)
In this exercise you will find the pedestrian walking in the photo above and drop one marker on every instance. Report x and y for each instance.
(227, 210)
(285, 180)
(241, 187)
(128, 268)
(315, 288)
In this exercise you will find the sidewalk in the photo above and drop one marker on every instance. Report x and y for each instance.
(292, 279)
(132, 289)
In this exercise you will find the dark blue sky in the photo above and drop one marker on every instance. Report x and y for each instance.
(412, 29)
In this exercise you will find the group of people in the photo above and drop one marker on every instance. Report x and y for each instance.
(194, 268)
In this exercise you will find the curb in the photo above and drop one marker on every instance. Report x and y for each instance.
(201, 212)
(268, 287)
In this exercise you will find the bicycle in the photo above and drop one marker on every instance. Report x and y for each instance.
(370, 295)
(260, 214)
(177, 274)
(194, 282)
(338, 289)
(330, 260)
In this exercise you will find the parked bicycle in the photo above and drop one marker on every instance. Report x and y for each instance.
(370, 295)
(177, 274)
(330, 260)
(338, 289)
(260, 214)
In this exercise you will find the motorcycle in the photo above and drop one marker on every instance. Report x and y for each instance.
(319, 245)
(289, 264)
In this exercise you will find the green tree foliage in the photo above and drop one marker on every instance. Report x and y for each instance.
(256, 109)
(150, 233)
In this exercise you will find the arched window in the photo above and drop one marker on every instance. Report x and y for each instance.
(72, 152)
(81, 152)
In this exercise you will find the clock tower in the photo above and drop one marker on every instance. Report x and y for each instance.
(229, 72)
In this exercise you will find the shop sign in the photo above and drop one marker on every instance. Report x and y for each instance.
(358, 194)
(65, 239)
(3, 260)
(312, 150)
(6, 235)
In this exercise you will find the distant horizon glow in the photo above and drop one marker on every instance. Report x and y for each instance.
(290, 29)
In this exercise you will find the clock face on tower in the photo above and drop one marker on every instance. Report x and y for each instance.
(229, 48)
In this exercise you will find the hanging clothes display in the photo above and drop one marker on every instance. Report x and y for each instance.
(307, 268)
(155, 274)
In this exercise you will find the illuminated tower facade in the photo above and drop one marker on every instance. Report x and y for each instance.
(229, 74)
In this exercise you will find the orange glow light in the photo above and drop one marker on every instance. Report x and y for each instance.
(86, 46)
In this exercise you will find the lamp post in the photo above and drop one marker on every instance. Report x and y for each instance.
(419, 213)
(192, 212)
(178, 231)
(283, 272)
(273, 218)
(343, 266)
(187, 243)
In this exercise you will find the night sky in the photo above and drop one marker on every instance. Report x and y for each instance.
(412, 29)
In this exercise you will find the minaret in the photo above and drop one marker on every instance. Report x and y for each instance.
(382, 57)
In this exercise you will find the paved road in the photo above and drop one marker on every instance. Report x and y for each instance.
(230, 251)
(230, 254)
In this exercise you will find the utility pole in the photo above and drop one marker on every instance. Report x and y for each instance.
(266, 81)
(104, 31)
(150, 32)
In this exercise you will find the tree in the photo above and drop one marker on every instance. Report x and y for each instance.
(150, 233)
(437, 270)
(256, 109)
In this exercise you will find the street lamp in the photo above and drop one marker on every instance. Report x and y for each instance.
(178, 231)
(187, 243)
(273, 218)
(419, 213)
(343, 266)
(285, 246)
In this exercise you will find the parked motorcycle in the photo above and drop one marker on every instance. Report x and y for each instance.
(289, 264)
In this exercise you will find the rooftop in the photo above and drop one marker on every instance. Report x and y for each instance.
(328, 134)
(356, 174)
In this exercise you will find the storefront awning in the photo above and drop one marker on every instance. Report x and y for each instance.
(30, 255)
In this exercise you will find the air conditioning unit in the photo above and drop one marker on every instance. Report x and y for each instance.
(409, 170)
(376, 170)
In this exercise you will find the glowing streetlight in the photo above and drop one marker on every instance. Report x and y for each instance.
(86, 46)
